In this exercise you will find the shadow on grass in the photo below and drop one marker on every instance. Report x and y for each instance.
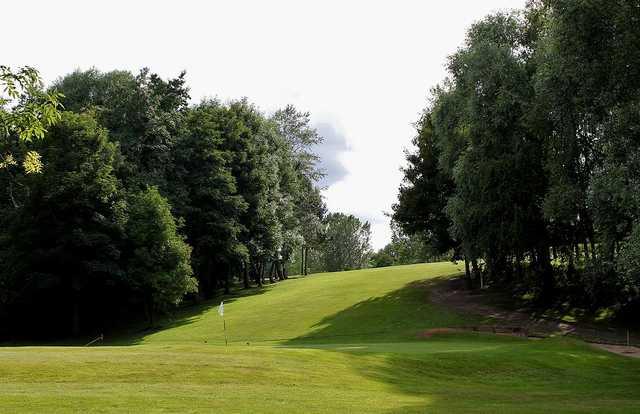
(400, 315)
(134, 332)
(487, 373)
(511, 375)
(186, 315)
(468, 372)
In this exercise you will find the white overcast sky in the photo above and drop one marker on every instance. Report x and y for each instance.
(362, 68)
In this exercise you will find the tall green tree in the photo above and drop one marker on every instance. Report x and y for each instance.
(406, 249)
(423, 195)
(158, 260)
(142, 112)
(205, 194)
(346, 242)
(62, 241)
(536, 132)
(499, 178)
(250, 138)
(301, 176)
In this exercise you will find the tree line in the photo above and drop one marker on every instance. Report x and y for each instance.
(526, 161)
(407, 248)
(121, 198)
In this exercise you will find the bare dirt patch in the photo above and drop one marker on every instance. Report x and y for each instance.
(630, 351)
(452, 294)
(438, 331)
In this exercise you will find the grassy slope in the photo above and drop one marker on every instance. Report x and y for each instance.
(347, 344)
(370, 305)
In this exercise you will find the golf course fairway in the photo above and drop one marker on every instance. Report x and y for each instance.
(346, 342)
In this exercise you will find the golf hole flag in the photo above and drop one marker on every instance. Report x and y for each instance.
(224, 323)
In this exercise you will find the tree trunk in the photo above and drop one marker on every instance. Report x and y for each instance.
(546, 273)
(74, 289)
(255, 273)
(260, 273)
(475, 269)
(245, 275)
(207, 284)
(279, 269)
(75, 322)
(302, 261)
(148, 307)
(467, 274)
(227, 282)
(271, 271)
(586, 250)
(519, 269)
(570, 264)
(306, 254)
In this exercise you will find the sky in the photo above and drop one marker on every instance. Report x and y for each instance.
(363, 69)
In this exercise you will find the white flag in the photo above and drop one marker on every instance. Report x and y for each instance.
(221, 309)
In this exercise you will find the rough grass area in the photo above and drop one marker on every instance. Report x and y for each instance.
(344, 342)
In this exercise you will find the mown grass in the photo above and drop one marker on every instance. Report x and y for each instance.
(327, 343)
(367, 305)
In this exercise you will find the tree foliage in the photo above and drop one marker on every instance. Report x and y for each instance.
(145, 199)
(528, 152)
(26, 111)
(407, 249)
(62, 228)
(159, 263)
(346, 242)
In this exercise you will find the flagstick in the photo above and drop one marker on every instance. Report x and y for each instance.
(224, 322)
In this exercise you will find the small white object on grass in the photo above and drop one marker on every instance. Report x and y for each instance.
(224, 323)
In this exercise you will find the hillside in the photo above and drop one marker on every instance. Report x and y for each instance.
(373, 305)
(341, 342)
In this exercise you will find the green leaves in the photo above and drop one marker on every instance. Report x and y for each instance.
(32, 163)
(536, 130)
(160, 264)
(28, 110)
(142, 199)
(346, 242)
